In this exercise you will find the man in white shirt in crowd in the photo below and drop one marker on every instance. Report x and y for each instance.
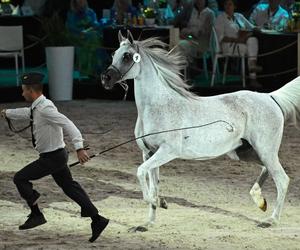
(195, 21)
(47, 126)
(270, 16)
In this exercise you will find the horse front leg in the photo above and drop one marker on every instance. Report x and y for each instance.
(281, 181)
(150, 194)
(160, 157)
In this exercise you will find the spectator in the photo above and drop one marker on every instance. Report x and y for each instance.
(270, 16)
(82, 22)
(196, 22)
(234, 34)
(183, 10)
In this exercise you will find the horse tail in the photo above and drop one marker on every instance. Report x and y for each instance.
(288, 98)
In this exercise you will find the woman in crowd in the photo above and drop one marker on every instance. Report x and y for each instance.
(195, 21)
(270, 15)
(234, 35)
(82, 22)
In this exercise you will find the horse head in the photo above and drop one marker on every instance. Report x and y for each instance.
(125, 64)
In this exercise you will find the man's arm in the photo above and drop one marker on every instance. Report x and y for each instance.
(16, 114)
(51, 114)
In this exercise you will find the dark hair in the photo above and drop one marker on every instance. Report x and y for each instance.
(205, 4)
(234, 2)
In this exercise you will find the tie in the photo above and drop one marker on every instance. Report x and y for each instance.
(31, 127)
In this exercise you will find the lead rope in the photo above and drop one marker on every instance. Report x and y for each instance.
(230, 129)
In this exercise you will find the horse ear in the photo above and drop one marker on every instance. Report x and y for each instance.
(121, 37)
(130, 37)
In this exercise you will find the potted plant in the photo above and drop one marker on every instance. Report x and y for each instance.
(59, 46)
(149, 16)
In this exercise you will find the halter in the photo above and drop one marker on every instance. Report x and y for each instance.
(136, 58)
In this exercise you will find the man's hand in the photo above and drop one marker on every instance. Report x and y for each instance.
(3, 113)
(82, 156)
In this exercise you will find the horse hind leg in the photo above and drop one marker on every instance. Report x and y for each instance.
(255, 191)
(281, 181)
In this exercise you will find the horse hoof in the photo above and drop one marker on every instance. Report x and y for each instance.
(163, 203)
(264, 224)
(264, 206)
(137, 229)
(268, 223)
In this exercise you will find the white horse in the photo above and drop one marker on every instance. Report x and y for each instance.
(218, 124)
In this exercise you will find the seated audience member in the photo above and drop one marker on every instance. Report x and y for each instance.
(270, 16)
(82, 22)
(178, 6)
(233, 31)
(195, 21)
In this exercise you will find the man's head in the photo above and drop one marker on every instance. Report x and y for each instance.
(32, 86)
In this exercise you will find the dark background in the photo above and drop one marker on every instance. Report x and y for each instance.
(271, 65)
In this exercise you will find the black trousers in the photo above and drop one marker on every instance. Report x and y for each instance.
(55, 164)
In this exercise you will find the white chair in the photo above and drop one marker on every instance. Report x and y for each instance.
(11, 46)
(217, 53)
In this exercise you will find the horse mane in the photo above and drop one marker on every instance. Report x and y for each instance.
(167, 64)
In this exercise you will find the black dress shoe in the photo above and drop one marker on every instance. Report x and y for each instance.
(97, 227)
(33, 220)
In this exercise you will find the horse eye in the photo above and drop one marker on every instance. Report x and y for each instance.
(112, 54)
(127, 56)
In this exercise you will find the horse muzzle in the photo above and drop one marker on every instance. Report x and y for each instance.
(110, 77)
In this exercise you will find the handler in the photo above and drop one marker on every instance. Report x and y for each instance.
(47, 126)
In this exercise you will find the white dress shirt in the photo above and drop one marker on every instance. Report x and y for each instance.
(225, 26)
(263, 17)
(201, 23)
(48, 125)
(229, 27)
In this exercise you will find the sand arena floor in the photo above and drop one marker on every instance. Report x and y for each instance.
(209, 202)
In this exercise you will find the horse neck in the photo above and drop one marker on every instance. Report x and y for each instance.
(148, 88)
